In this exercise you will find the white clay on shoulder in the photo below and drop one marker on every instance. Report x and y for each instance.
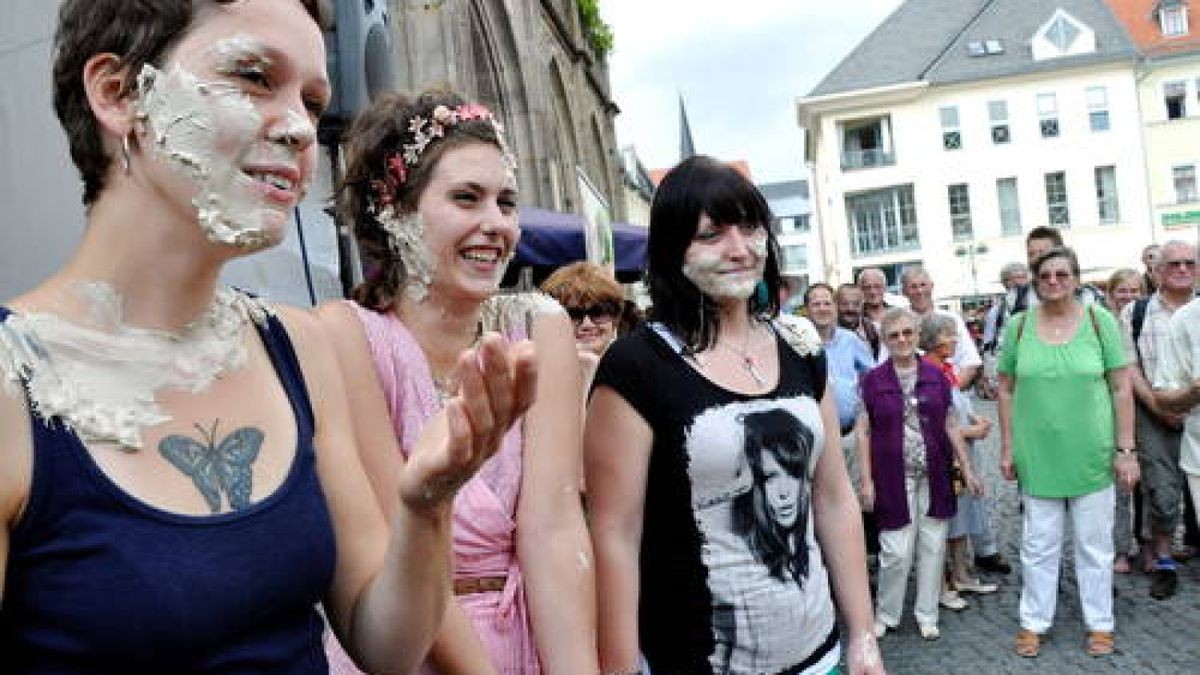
(100, 377)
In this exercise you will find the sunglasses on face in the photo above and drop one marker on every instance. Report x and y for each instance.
(905, 333)
(1057, 275)
(599, 313)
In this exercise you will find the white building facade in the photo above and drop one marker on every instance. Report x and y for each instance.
(1002, 128)
(799, 245)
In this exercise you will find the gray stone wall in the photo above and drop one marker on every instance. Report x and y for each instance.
(529, 60)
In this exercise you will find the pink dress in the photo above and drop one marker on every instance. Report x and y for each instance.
(484, 520)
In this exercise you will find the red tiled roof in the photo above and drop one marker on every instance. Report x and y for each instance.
(1141, 22)
(739, 165)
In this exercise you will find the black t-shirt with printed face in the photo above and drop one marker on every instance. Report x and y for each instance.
(731, 579)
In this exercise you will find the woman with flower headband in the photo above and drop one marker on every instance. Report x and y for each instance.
(431, 194)
(173, 499)
(721, 514)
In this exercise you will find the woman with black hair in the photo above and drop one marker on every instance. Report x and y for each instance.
(709, 557)
(778, 450)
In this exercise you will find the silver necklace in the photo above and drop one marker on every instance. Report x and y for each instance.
(747, 359)
(445, 385)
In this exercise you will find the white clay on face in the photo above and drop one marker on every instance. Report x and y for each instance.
(243, 55)
(406, 237)
(101, 377)
(207, 132)
(709, 270)
(236, 53)
(757, 244)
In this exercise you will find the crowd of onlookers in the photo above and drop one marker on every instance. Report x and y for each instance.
(1094, 386)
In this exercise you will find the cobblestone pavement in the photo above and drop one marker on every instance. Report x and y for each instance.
(1152, 636)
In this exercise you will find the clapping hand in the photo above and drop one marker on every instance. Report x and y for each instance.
(496, 384)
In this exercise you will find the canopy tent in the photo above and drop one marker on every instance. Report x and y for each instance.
(550, 239)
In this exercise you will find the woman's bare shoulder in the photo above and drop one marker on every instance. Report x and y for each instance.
(16, 450)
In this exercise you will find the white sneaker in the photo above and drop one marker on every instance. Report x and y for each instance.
(929, 631)
(952, 600)
(881, 628)
(975, 586)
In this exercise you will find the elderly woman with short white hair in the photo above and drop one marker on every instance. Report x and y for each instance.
(939, 339)
(908, 440)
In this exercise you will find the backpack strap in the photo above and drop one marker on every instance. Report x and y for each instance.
(1137, 321)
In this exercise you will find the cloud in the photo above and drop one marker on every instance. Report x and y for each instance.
(738, 70)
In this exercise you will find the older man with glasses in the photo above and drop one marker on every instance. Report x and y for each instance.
(1158, 428)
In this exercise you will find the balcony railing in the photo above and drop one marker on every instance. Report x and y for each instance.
(861, 159)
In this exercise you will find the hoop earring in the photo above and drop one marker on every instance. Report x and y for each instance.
(125, 155)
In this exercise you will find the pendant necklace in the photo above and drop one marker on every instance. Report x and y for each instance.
(446, 384)
(747, 360)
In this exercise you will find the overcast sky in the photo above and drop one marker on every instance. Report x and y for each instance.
(738, 65)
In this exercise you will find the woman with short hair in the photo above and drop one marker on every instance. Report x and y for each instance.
(1126, 285)
(1066, 428)
(597, 307)
(939, 339)
(181, 487)
(908, 441)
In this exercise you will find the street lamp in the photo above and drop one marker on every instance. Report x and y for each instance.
(970, 250)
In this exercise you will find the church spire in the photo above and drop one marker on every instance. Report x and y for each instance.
(687, 147)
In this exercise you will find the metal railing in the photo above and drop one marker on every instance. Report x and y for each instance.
(861, 159)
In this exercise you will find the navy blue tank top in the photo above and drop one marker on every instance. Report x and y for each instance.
(100, 582)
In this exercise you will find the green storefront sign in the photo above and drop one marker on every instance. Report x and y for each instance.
(1182, 218)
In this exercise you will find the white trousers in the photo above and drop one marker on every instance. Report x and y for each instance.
(1041, 556)
(923, 536)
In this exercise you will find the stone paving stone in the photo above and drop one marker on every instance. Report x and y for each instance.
(1152, 636)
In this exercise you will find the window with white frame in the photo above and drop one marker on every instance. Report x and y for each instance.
(1010, 206)
(793, 224)
(867, 143)
(959, 199)
(795, 258)
(1184, 177)
(1047, 108)
(1106, 195)
(1097, 101)
(951, 134)
(883, 220)
(998, 117)
(1173, 18)
(1175, 99)
(1057, 209)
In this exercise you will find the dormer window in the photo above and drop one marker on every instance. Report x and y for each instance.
(1062, 35)
(1172, 17)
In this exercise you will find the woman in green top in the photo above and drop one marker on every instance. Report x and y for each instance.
(1066, 427)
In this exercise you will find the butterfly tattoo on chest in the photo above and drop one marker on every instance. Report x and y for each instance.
(217, 468)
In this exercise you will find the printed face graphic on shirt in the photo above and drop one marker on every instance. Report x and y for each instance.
(751, 464)
(782, 491)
